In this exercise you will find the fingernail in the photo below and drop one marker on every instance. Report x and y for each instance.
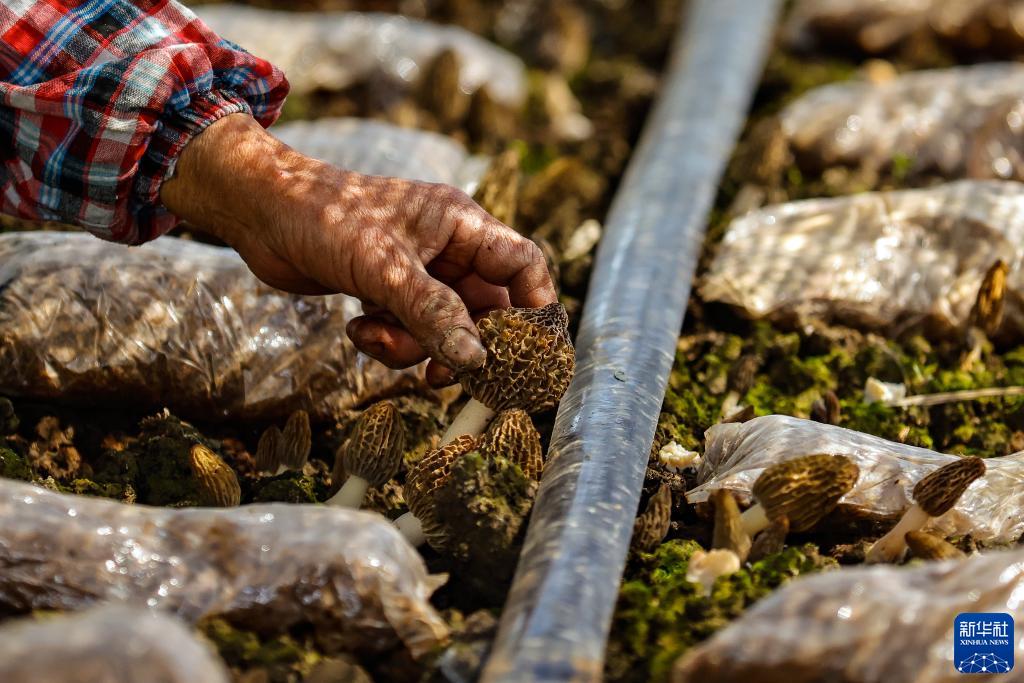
(462, 349)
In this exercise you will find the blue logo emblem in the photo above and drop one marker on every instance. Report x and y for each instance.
(983, 643)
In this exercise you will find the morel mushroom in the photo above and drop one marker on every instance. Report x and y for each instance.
(512, 436)
(926, 546)
(729, 533)
(705, 568)
(279, 451)
(803, 489)
(218, 483)
(530, 361)
(770, 541)
(650, 528)
(934, 495)
(420, 525)
(371, 456)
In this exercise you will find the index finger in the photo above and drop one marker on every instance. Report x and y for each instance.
(504, 257)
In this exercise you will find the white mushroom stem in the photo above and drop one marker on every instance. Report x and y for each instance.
(890, 548)
(472, 419)
(410, 527)
(754, 520)
(281, 469)
(351, 494)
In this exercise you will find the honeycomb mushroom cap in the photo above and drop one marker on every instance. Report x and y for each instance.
(805, 489)
(530, 359)
(375, 448)
(940, 490)
(987, 312)
(268, 450)
(423, 480)
(296, 441)
(512, 436)
(650, 528)
(218, 483)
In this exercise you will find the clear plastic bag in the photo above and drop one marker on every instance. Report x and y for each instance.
(863, 625)
(335, 50)
(348, 575)
(992, 508)
(880, 260)
(876, 26)
(376, 148)
(958, 122)
(108, 644)
(173, 323)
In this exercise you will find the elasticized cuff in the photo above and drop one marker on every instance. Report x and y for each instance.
(173, 131)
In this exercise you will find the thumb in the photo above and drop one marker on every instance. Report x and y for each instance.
(438, 320)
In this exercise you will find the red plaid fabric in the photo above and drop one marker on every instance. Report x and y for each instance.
(99, 98)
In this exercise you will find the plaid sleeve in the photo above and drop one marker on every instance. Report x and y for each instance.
(98, 99)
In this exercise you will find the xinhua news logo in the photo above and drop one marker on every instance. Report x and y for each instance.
(983, 643)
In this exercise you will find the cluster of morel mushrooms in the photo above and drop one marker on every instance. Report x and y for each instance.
(530, 361)
(794, 495)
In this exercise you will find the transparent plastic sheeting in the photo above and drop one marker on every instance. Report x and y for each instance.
(558, 613)
(382, 149)
(335, 50)
(959, 122)
(172, 323)
(348, 575)
(879, 260)
(992, 508)
(864, 625)
(879, 25)
(108, 644)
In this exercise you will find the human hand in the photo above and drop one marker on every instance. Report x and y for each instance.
(423, 258)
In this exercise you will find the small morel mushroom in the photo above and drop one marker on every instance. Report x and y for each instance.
(826, 409)
(279, 451)
(512, 436)
(770, 541)
(218, 483)
(934, 495)
(926, 546)
(741, 377)
(729, 533)
(650, 528)
(804, 489)
(706, 567)
(420, 525)
(371, 456)
(9, 422)
(530, 361)
(987, 313)
(498, 192)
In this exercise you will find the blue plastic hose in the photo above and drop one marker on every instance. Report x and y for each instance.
(556, 621)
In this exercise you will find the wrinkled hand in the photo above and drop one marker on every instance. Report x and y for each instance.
(423, 258)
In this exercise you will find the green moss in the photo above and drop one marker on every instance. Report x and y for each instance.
(660, 614)
(87, 487)
(289, 487)
(163, 474)
(14, 466)
(245, 649)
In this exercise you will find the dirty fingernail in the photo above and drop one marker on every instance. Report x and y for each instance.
(462, 349)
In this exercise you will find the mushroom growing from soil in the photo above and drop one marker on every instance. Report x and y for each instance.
(729, 533)
(420, 524)
(704, 568)
(650, 528)
(770, 541)
(371, 456)
(530, 361)
(279, 451)
(804, 489)
(926, 546)
(512, 436)
(934, 495)
(217, 482)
